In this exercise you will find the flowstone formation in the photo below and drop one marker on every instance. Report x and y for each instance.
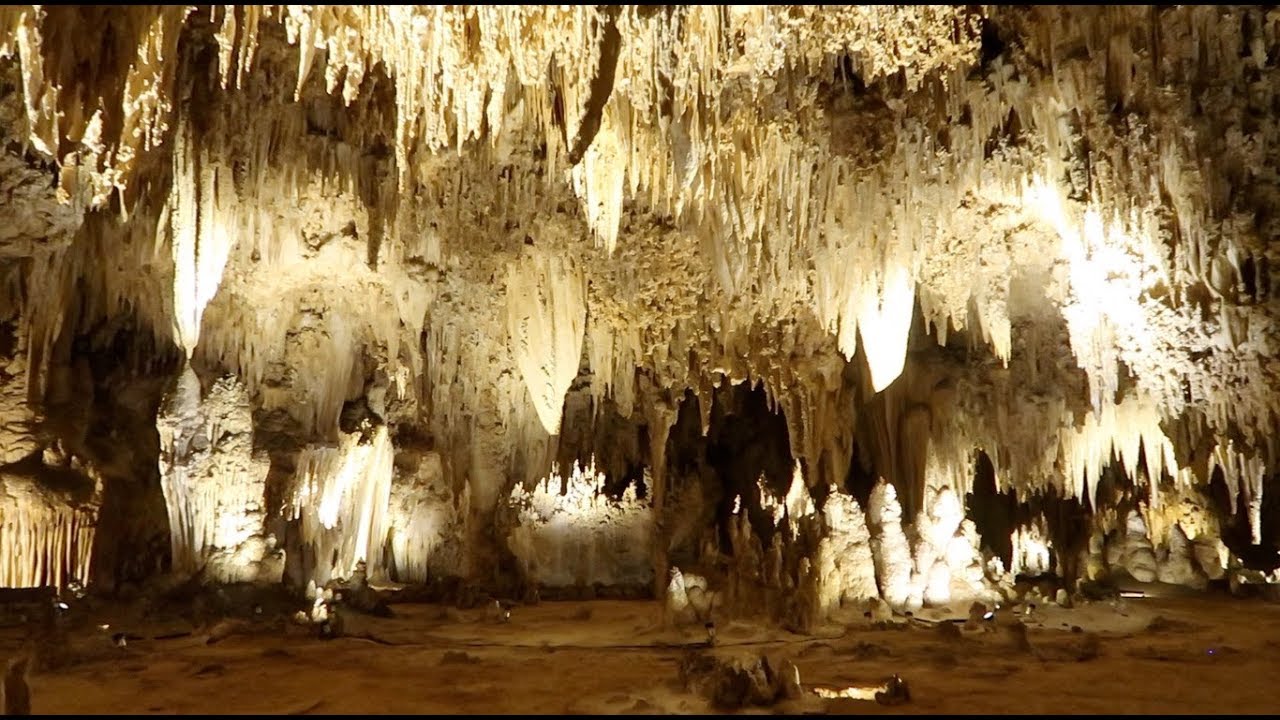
(828, 306)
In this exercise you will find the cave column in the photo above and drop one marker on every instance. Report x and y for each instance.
(660, 415)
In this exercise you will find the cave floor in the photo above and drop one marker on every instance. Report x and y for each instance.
(1206, 654)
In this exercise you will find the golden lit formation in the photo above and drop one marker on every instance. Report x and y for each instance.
(706, 340)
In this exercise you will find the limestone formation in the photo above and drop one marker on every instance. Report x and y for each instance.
(1178, 567)
(214, 483)
(844, 564)
(899, 584)
(823, 304)
(569, 533)
(1137, 556)
(732, 681)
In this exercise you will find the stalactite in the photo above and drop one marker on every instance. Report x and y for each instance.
(199, 235)
(1125, 428)
(744, 210)
(546, 320)
(44, 540)
(1244, 474)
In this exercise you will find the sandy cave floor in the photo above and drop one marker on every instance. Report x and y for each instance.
(1208, 654)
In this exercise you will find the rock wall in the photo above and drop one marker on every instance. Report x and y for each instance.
(917, 231)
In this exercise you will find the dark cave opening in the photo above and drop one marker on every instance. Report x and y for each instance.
(686, 447)
(1237, 532)
(8, 338)
(747, 440)
(996, 514)
(1067, 521)
(861, 476)
(993, 513)
(594, 429)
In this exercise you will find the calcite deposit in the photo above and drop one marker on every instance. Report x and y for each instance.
(830, 307)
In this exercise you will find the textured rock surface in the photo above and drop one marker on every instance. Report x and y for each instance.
(214, 484)
(470, 233)
(736, 680)
(845, 566)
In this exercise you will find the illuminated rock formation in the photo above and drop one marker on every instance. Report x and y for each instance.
(421, 254)
(340, 496)
(844, 564)
(214, 484)
(1031, 550)
(900, 585)
(571, 534)
(47, 537)
(427, 524)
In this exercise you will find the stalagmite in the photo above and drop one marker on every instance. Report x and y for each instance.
(946, 556)
(1030, 550)
(899, 586)
(844, 564)
(1137, 556)
(1177, 566)
(1211, 557)
(796, 504)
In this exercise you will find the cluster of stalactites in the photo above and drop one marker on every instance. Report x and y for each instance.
(1036, 445)
(341, 496)
(456, 72)
(1243, 473)
(1124, 430)
(848, 250)
(43, 544)
(452, 64)
(141, 42)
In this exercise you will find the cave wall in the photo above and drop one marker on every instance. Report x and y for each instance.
(444, 254)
